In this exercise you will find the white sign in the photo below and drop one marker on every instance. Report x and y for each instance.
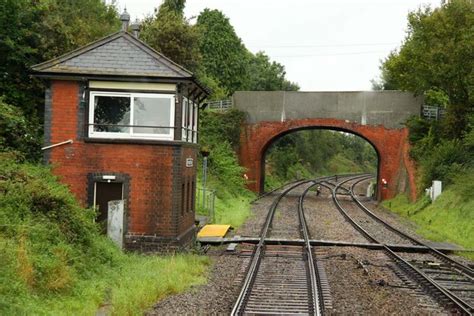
(189, 162)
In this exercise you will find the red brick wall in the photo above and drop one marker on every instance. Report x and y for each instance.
(391, 144)
(150, 167)
(186, 218)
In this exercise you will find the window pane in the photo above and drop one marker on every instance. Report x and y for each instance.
(111, 111)
(190, 121)
(185, 118)
(149, 111)
(195, 122)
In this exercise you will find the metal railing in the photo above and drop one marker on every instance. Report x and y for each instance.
(433, 112)
(206, 200)
(220, 105)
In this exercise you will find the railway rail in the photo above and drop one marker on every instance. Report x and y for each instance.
(283, 279)
(449, 281)
(286, 277)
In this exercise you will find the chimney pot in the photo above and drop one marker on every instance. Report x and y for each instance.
(136, 28)
(125, 18)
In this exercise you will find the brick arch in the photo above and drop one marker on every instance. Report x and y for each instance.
(319, 127)
(391, 145)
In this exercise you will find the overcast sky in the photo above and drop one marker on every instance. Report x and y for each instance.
(325, 45)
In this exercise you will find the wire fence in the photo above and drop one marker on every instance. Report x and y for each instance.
(206, 200)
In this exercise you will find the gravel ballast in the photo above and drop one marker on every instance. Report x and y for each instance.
(361, 281)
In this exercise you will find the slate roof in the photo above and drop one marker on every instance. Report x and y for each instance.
(119, 54)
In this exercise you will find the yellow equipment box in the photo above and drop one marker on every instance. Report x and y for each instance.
(213, 231)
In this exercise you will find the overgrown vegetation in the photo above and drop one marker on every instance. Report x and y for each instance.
(437, 60)
(55, 261)
(312, 153)
(220, 132)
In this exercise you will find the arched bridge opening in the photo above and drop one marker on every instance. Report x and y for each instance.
(324, 145)
(376, 116)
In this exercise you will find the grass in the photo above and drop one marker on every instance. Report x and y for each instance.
(449, 219)
(54, 261)
(232, 207)
(233, 210)
(127, 289)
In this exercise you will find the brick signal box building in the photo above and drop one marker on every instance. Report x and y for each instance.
(121, 123)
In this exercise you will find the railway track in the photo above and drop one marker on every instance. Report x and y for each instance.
(445, 279)
(284, 279)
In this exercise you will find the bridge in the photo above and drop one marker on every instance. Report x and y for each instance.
(376, 116)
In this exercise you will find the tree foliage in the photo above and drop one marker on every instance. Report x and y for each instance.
(230, 65)
(437, 59)
(32, 31)
(171, 34)
(17, 133)
(311, 153)
(225, 57)
(265, 75)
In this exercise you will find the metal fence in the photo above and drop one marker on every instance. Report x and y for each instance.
(220, 105)
(433, 112)
(206, 200)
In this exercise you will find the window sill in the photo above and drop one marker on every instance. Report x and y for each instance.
(135, 141)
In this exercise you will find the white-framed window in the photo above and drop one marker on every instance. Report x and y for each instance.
(131, 115)
(185, 118)
(195, 123)
(189, 121)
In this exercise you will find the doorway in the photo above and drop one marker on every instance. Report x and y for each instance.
(104, 192)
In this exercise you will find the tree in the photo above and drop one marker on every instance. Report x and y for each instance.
(225, 57)
(18, 50)
(171, 34)
(176, 6)
(437, 57)
(230, 65)
(33, 31)
(266, 75)
(17, 133)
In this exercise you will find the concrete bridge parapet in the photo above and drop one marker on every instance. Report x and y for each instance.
(377, 116)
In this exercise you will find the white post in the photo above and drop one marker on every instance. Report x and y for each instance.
(436, 189)
(115, 221)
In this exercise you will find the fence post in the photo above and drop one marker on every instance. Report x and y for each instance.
(213, 207)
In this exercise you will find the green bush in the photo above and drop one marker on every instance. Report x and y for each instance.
(220, 126)
(56, 239)
(443, 162)
(17, 133)
(438, 156)
(219, 133)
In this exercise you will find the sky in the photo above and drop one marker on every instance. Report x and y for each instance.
(325, 45)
